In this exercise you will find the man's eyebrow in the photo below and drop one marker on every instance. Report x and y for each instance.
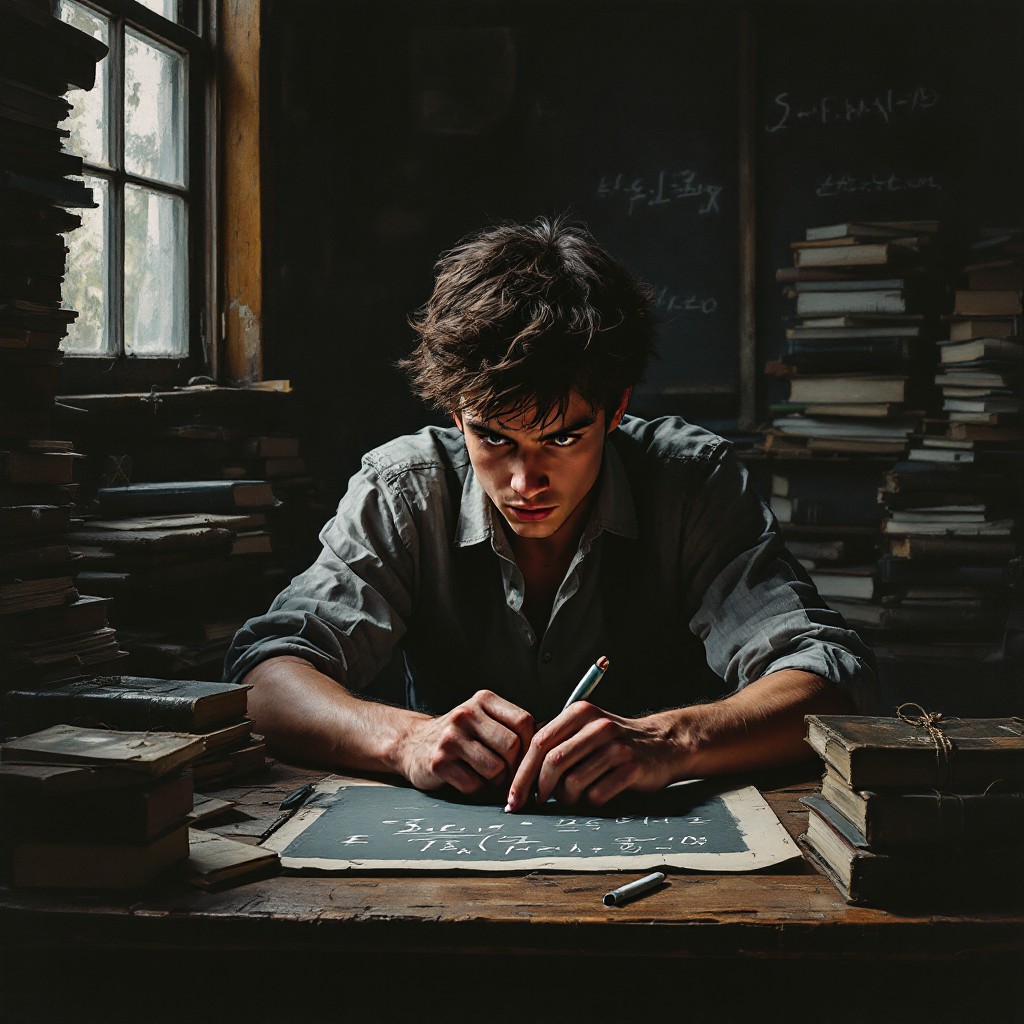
(482, 430)
(570, 428)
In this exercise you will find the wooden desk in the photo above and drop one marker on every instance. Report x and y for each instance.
(369, 934)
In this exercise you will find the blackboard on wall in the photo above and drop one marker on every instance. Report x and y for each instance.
(884, 111)
(392, 129)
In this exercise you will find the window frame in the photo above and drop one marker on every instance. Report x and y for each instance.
(130, 372)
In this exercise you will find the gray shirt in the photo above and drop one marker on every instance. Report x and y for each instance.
(681, 578)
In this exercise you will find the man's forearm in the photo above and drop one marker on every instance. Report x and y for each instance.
(760, 727)
(308, 717)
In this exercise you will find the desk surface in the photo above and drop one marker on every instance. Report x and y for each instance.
(791, 912)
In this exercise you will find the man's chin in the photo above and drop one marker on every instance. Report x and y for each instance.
(537, 530)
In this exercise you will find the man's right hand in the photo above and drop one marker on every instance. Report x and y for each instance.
(481, 740)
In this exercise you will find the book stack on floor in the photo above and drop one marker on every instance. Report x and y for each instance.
(47, 632)
(852, 369)
(215, 712)
(919, 811)
(954, 506)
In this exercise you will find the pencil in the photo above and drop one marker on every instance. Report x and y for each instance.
(586, 685)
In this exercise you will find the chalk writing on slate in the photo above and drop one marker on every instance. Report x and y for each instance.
(352, 827)
(661, 189)
(846, 184)
(887, 106)
(666, 301)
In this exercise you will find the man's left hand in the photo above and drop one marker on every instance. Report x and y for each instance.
(588, 754)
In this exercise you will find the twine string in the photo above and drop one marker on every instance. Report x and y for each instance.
(931, 722)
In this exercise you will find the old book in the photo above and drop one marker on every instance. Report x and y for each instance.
(808, 426)
(31, 595)
(84, 865)
(856, 446)
(82, 615)
(21, 522)
(55, 781)
(834, 355)
(256, 542)
(951, 548)
(856, 332)
(874, 300)
(231, 764)
(942, 527)
(980, 348)
(181, 521)
(983, 432)
(881, 752)
(207, 809)
(129, 702)
(15, 558)
(136, 814)
(896, 818)
(987, 303)
(848, 388)
(130, 541)
(215, 862)
(143, 752)
(187, 496)
(870, 229)
(852, 255)
(36, 468)
(855, 582)
(996, 278)
(918, 573)
(964, 330)
(864, 876)
(827, 498)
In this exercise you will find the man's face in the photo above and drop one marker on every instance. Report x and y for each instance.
(538, 475)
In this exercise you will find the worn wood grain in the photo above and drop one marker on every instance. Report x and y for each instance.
(793, 912)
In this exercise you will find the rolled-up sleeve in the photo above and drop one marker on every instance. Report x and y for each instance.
(346, 612)
(753, 605)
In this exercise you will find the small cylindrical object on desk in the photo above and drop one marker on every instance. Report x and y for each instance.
(633, 889)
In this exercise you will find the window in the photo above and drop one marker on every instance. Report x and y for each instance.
(135, 268)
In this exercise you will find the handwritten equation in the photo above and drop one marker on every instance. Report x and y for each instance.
(663, 189)
(505, 839)
(666, 301)
(847, 184)
(888, 107)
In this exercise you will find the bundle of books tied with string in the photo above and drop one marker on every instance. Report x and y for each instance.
(48, 632)
(951, 571)
(919, 810)
(847, 391)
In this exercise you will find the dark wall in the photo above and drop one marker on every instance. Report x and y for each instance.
(391, 129)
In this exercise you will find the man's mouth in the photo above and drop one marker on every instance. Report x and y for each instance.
(531, 513)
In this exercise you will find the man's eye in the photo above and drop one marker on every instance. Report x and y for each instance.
(565, 440)
(494, 440)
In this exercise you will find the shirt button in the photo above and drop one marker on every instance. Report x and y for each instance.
(546, 656)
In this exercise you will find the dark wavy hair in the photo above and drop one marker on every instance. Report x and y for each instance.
(525, 314)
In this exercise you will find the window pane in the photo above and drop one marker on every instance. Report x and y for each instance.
(167, 8)
(86, 280)
(155, 289)
(89, 121)
(154, 110)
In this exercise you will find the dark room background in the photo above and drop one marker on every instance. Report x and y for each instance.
(391, 129)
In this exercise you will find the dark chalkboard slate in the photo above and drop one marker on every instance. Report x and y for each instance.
(367, 827)
(884, 110)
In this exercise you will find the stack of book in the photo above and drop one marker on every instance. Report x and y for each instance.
(852, 368)
(215, 712)
(917, 816)
(954, 505)
(47, 632)
(94, 808)
(183, 562)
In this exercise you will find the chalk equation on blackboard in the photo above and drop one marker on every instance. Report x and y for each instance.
(847, 184)
(835, 108)
(666, 188)
(668, 302)
(354, 827)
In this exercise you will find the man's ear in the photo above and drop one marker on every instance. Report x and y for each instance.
(458, 422)
(616, 417)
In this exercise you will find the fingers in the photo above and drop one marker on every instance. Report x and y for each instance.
(614, 783)
(575, 783)
(561, 758)
(501, 718)
(457, 774)
(555, 732)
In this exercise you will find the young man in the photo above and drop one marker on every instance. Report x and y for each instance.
(544, 530)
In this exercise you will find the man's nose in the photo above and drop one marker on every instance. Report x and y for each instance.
(528, 478)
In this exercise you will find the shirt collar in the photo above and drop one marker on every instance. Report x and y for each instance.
(614, 510)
